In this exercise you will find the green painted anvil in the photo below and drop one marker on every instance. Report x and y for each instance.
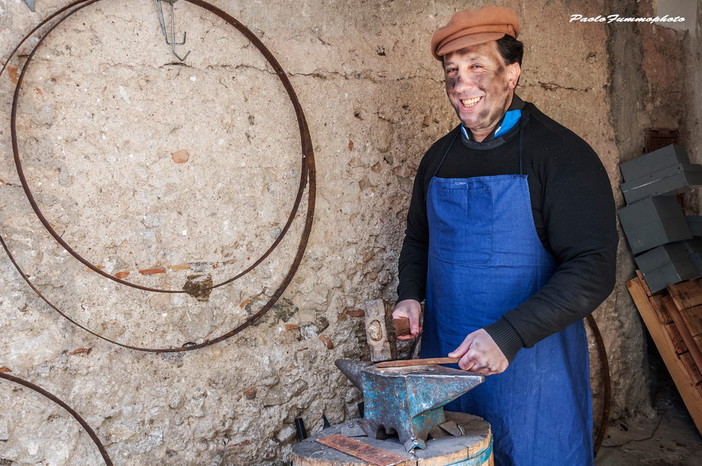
(406, 400)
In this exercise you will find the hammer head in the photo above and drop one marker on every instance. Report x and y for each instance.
(407, 400)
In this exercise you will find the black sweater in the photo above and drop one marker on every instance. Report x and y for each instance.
(574, 215)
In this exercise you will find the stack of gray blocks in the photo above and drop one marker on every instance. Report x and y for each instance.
(667, 245)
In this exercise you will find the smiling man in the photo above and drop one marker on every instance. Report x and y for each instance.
(510, 242)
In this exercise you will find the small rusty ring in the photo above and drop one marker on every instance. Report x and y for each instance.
(47, 225)
(71, 411)
(308, 170)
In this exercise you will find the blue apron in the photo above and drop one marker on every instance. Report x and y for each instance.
(485, 258)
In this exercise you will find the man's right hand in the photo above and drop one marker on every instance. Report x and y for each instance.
(410, 309)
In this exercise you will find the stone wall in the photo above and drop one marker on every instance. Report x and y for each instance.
(164, 173)
(693, 80)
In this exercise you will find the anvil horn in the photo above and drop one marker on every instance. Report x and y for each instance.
(352, 370)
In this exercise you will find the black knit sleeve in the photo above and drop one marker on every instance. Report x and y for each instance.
(412, 270)
(413, 256)
(579, 217)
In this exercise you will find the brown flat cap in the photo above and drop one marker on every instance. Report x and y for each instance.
(472, 27)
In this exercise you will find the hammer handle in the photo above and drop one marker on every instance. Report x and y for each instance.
(402, 326)
(417, 362)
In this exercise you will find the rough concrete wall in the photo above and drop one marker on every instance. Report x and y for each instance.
(689, 80)
(101, 114)
(652, 86)
(628, 118)
(694, 83)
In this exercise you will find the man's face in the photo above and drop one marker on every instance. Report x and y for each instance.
(480, 86)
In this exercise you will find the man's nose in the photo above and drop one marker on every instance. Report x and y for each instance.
(464, 81)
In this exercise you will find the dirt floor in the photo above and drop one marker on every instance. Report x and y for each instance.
(669, 439)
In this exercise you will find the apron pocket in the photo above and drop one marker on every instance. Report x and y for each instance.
(462, 231)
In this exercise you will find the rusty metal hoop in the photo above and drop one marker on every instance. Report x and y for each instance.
(606, 382)
(307, 179)
(71, 411)
(47, 225)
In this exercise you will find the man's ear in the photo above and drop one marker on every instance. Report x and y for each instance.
(513, 72)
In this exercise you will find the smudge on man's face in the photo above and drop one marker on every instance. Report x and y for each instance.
(479, 86)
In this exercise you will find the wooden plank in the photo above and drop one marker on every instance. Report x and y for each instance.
(693, 319)
(368, 453)
(687, 389)
(686, 294)
(691, 368)
(660, 310)
(684, 332)
(675, 338)
(643, 282)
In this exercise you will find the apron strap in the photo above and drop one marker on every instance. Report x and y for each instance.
(443, 157)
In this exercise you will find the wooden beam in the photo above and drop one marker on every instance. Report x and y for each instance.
(686, 294)
(693, 319)
(685, 334)
(660, 310)
(643, 282)
(686, 387)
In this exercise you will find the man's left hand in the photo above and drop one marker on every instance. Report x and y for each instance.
(480, 354)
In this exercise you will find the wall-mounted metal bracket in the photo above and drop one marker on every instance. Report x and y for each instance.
(170, 38)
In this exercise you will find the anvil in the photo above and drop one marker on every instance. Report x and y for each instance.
(407, 400)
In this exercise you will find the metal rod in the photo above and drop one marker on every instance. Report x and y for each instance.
(71, 411)
(307, 180)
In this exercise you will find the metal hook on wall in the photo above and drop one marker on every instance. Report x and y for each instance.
(170, 41)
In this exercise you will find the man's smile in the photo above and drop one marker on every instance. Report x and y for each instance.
(472, 102)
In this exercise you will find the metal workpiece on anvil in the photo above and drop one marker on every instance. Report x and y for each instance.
(406, 400)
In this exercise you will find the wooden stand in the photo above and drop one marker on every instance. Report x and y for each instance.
(673, 317)
(472, 449)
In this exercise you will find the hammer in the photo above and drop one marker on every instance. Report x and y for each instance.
(379, 335)
(402, 327)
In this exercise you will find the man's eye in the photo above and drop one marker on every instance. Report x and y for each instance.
(476, 67)
(451, 70)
